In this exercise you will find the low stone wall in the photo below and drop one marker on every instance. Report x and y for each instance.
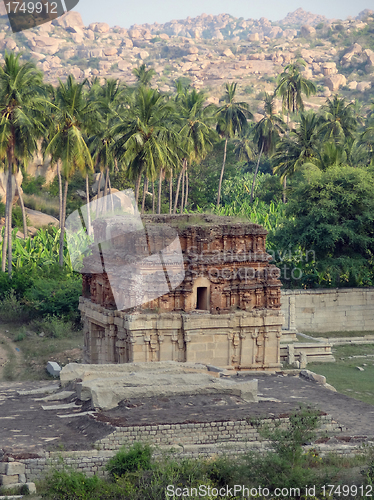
(314, 352)
(187, 440)
(340, 309)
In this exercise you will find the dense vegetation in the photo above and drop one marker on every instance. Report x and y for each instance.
(305, 176)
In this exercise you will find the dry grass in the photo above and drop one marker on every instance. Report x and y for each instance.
(42, 203)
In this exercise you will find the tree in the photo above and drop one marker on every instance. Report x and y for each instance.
(266, 134)
(144, 75)
(291, 86)
(299, 147)
(109, 100)
(197, 134)
(22, 103)
(331, 213)
(232, 119)
(74, 115)
(144, 139)
(338, 121)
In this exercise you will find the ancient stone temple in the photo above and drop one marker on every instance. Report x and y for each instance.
(190, 288)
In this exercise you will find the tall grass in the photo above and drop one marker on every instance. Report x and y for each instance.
(42, 202)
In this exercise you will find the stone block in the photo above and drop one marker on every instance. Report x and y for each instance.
(314, 377)
(6, 480)
(3, 467)
(15, 468)
(53, 368)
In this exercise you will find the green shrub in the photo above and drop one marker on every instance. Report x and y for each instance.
(11, 310)
(32, 185)
(20, 282)
(70, 485)
(52, 326)
(56, 297)
(20, 336)
(285, 467)
(138, 457)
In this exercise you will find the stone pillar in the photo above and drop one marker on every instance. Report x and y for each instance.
(266, 360)
(292, 314)
(110, 340)
(242, 356)
(290, 354)
(230, 337)
(303, 360)
(279, 335)
(187, 339)
(175, 347)
(130, 349)
(147, 350)
(254, 336)
(162, 356)
(235, 360)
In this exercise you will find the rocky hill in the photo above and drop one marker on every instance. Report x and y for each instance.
(300, 17)
(207, 51)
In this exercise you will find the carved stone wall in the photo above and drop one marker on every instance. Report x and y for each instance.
(226, 311)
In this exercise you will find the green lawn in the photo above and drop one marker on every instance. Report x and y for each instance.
(344, 375)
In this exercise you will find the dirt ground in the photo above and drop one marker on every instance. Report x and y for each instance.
(26, 428)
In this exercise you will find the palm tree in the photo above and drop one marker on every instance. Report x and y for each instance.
(197, 134)
(74, 114)
(109, 100)
(339, 120)
(291, 86)
(144, 75)
(144, 140)
(266, 134)
(22, 102)
(301, 146)
(232, 119)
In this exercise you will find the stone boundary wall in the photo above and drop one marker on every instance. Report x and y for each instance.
(325, 310)
(186, 440)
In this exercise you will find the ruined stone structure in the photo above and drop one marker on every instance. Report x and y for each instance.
(222, 309)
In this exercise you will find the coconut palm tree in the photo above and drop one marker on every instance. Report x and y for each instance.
(74, 115)
(109, 99)
(197, 135)
(232, 119)
(266, 134)
(144, 139)
(22, 108)
(299, 147)
(291, 87)
(338, 120)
